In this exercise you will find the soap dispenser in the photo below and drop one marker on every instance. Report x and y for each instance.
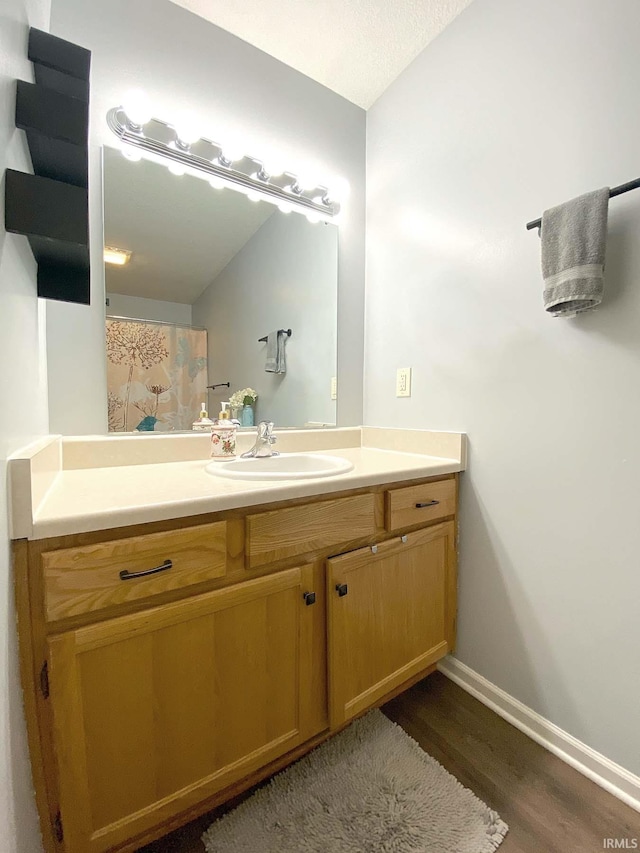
(204, 422)
(223, 436)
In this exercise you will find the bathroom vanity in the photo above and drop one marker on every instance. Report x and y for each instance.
(175, 652)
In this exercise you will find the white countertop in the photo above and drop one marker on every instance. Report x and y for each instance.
(118, 491)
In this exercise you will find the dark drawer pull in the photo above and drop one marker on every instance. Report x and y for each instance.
(309, 598)
(126, 575)
(342, 589)
(427, 503)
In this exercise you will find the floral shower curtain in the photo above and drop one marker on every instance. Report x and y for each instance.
(156, 375)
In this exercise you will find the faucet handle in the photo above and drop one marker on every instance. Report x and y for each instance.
(265, 432)
(264, 440)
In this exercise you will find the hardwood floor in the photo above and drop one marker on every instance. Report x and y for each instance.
(550, 808)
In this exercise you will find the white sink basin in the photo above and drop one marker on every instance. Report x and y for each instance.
(288, 466)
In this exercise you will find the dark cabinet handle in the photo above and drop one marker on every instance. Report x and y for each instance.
(126, 575)
(309, 598)
(427, 503)
(342, 589)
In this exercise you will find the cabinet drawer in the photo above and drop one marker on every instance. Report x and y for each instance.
(414, 504)
(89, 578)
(283, 533)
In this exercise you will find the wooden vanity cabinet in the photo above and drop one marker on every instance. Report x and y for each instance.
(149, 702)
(391, 611)
(157, 710)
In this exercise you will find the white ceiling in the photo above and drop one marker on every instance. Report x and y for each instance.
(355, 47)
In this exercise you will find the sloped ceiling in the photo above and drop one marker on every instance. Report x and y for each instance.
(355, 47)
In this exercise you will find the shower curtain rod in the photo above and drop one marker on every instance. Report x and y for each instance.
(156, 322)
(623, 188)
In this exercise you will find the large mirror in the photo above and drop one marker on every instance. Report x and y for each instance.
(205, 273)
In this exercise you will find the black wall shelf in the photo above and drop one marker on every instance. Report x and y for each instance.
(50, 207)
(34, 206)
(56, 126)
(60, 65)
(59, 243)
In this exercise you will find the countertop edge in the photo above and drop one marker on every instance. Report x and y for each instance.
(189, 507)
(50, 498)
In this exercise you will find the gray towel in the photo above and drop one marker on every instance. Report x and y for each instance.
(573, 247)
(275, 353)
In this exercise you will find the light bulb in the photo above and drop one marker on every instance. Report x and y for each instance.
(252, 195)
(187, 131)
(284, 207)
(273, 162)
(313, 217)
(232, 150)
(273, 168)
(307, 181)
(137, 107)
(177, 169)
(217, 183)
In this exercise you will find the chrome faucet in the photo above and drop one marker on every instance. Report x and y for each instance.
(264, 441)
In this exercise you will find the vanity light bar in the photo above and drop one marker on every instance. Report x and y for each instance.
(208, 157)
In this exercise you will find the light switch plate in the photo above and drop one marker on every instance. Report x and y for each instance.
(334, 387)
(403, 382)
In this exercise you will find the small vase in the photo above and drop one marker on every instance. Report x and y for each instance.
(246, 418)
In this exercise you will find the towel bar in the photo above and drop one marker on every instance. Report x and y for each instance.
(287, 332)
(614, 191)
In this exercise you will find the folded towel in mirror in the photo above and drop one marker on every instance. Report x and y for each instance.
(574, 238)
(276, 362)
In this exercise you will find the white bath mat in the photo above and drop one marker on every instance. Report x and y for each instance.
(370, 789)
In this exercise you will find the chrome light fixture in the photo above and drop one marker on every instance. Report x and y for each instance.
(222, 166)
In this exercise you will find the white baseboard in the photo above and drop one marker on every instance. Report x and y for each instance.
(609, 775)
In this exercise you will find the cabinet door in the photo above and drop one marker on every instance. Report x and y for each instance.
(391, 615)
(155, 711)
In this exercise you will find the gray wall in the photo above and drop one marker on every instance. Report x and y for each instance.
(285, 276)
(186, 64)
(23, 416)
(516, 107)
(140, 308)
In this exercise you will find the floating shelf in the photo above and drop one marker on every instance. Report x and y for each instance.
(50, 207)
(53, 217)
(56, 126)
(60, 65)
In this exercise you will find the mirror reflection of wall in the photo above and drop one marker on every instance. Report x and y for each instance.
(205, 258)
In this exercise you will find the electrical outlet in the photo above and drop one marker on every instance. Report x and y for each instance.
(403, 382)
(334, 387)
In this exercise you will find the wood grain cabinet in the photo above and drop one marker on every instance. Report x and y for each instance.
(152, 696)
(391, 614)
(157, 710)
